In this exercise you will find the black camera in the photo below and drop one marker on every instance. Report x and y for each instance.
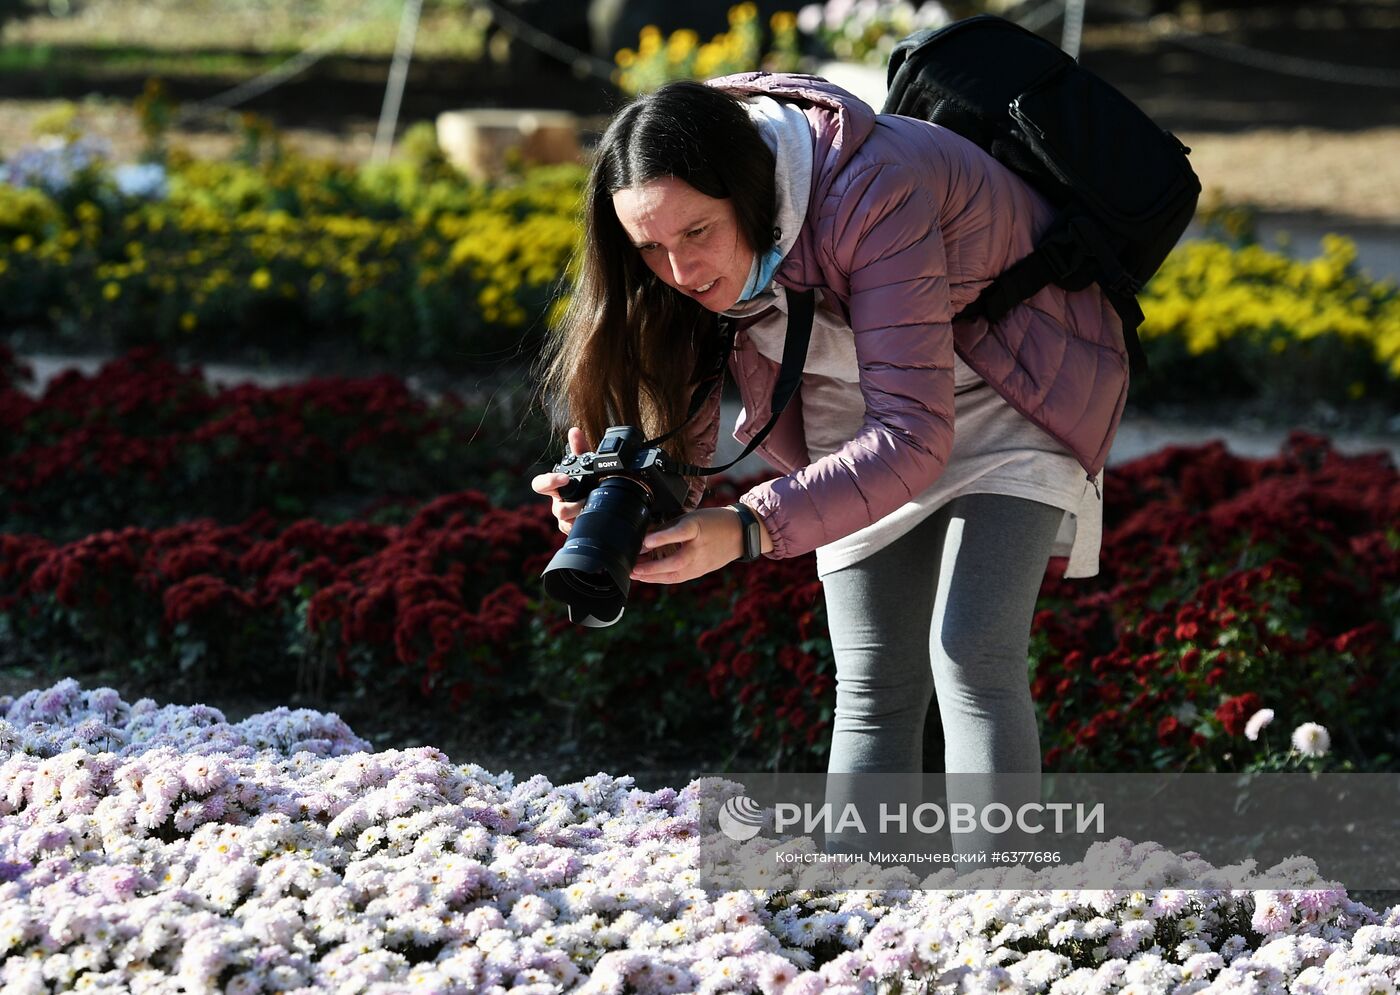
(628, 488)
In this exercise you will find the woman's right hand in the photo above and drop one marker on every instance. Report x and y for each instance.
(549, 484)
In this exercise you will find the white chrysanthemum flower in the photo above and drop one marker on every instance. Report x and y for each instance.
(1099, 927)
(1152, 973)
(1137, 912)
(672, 933)
(1311, 740)
(1041, 968)
(1282, 953)
(1257, 722)
(1273, 912)
(530, 912)
(357, 905)
(1189, 948)
(1202, 965)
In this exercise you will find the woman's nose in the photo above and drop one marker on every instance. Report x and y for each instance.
(683, 268)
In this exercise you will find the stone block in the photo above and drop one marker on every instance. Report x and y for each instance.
(480, 141)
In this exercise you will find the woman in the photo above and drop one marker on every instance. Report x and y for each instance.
(933, 467)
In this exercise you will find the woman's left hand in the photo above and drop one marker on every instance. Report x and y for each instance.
(697, 542)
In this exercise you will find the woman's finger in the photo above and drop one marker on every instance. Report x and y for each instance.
(680, 531)
(566, 512)
(548, 483)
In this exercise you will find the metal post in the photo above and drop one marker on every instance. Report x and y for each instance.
(398, 76)
(1074, 27)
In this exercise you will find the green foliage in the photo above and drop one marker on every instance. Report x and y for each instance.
(407, 261)
(1245, 321)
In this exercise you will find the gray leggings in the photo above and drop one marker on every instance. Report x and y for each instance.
(946, 607)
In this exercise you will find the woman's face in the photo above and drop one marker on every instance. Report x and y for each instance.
(691, 241)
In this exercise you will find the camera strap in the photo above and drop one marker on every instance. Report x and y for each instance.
(801, 311)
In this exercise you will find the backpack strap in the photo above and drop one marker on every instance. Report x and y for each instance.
(1074, 245)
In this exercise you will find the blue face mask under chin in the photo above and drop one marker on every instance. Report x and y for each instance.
(761, 273)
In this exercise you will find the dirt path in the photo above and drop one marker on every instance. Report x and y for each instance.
(1349, 175)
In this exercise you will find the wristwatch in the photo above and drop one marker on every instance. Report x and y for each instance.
(753, 532)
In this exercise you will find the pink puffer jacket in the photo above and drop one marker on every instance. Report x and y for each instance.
(906, 223)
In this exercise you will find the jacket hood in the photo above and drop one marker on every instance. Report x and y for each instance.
(786, 130)
(853, 119)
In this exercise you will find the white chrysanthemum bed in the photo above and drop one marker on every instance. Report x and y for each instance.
(163, 849)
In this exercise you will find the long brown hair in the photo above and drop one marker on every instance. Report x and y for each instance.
(628, 348)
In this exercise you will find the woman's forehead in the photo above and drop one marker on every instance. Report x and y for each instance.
(667, 202)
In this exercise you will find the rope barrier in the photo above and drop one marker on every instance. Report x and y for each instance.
(512, 24)
(1038, 16)
(1167, 28)
(1073, 32)
(398, 77)
(585, 63)
(274, 77)
(1288, 65)
(509, 22)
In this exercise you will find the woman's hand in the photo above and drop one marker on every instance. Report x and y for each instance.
(549, 484)
(692, 546)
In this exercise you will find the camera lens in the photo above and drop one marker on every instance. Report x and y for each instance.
(592, 572)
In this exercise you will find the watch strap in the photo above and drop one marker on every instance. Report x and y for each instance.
(752, 532)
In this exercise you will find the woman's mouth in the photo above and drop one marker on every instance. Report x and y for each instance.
(704, 289)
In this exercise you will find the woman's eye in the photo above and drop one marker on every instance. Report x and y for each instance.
(696, 232)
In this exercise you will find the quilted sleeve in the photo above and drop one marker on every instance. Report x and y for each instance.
(882, 249)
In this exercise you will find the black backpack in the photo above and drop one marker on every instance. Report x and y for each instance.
(1122, 186)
